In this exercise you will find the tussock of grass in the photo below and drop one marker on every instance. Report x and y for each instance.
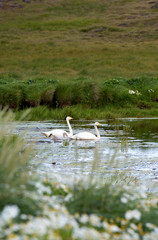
(110, 202)
(115, 97)
(82, 112)
(54, 93)
(16, 183)
(105, 202)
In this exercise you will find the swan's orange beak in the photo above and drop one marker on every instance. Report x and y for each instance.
(99, 124)
(71, 118)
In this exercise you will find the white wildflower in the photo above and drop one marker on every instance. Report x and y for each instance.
(59, 220)
(73, 224)
(68, 197)
(133, 214)
(23, 217)
(154, 202)
(76, 215)
(84, 218)
(124, 200)
(37, 226)
(15, 227)
(134, 235)
(63, 209)
(14, 237)
(124, 222)
(150, 236)
(150, 225)
(132, 198)
(94, 220)
(43, 189)
(133, 226)
(9, 212)
(156, 231)
(86, 233)
(106, 235)
(56, 206)
(142, 191)
(105, 225)
(64, 187)
(114, 228)
(126, 236)
(126, 195)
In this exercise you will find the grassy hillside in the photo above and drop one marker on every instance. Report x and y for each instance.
(76, 41)
(66, 39)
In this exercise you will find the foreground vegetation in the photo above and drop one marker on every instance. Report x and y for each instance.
(89, 53)
(41, 208)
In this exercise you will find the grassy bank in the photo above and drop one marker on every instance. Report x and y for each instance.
(51, 208)
(80, 112)
(83, 98)
(65, 53)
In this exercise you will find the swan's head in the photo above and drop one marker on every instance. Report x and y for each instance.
(69, 118)
(97, 124)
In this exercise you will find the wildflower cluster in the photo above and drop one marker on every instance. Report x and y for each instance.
(56, 222)
(65, 208)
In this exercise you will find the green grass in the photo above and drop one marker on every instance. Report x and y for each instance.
(105, 202)
(71, 41)
(16, 183)
(82, 112)
(82, 98)
(64, 39)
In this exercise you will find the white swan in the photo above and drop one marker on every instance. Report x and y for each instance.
(87, 135)
(59, 133)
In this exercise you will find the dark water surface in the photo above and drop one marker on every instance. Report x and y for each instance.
(128, 146)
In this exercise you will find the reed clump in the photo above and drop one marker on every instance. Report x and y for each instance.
(16, 180)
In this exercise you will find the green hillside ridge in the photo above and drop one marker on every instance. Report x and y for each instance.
(89, 53)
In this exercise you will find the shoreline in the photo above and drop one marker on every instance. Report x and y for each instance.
(43, 113)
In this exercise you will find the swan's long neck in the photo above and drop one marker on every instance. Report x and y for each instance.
(97, 131)
(70, 128)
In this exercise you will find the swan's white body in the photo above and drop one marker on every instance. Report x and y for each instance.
(59, 133)
(87, 135)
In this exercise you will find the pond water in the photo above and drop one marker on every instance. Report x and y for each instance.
(127, 146)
